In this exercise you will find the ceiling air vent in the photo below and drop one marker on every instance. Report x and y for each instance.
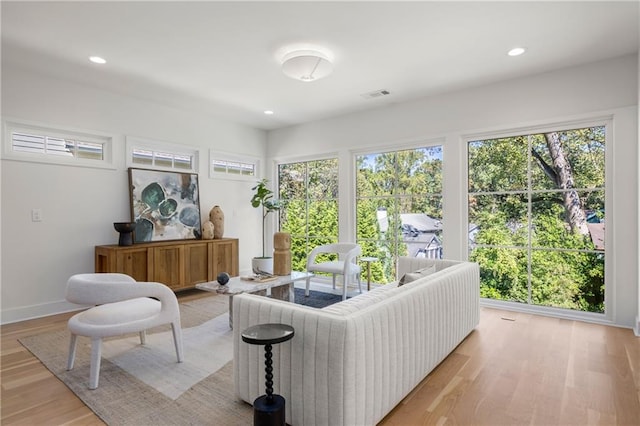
(375, 94)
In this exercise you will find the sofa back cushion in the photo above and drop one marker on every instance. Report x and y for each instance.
(415, 275)
(361, 301)
(411, 264)
(421, 268)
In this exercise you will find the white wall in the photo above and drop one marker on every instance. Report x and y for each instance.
(80, 204)
(637, 325)
(597, 89)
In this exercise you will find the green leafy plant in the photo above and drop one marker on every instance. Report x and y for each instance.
(263, 197)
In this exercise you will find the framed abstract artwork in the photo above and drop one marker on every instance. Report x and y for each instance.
(164, 205)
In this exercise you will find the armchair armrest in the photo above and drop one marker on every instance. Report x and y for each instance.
(83, 289)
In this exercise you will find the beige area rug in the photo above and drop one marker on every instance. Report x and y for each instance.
(163, 392)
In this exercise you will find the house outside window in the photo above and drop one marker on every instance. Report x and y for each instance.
(308, 191)
(399, 207)
(536, 215)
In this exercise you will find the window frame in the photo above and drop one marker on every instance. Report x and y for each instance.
(62, 132)
(609, 258)
(309, 159)
(394, 148)
(134, 142)
(233, 158)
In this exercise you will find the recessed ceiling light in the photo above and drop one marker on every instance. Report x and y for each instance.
(268, 112)
(516, 51)
(97, 60)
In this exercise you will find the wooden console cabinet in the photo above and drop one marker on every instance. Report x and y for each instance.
(178, 264)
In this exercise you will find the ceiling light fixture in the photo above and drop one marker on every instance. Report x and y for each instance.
(268, 112)
(306, 65)
(97, 60)
(516, 51)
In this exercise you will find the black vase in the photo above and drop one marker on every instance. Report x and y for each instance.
(126, 232)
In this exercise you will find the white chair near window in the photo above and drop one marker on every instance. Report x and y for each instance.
(346, 255)
(124, 306)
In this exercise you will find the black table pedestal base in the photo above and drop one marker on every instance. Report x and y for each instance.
(268, 410)
(267, 413)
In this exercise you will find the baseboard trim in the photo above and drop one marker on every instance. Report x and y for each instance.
(24, 313)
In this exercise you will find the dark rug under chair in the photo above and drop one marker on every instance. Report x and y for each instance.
(316, 299)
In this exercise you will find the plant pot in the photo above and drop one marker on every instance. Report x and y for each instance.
(262, 265)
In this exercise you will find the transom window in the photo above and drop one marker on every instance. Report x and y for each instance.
(48, 145)
(161, 155)
(229, 166)
(537, 217)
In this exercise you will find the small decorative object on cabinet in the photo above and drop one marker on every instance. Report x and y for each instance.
(207, 230)
(216, 216)
(126, 232)
(178, 264)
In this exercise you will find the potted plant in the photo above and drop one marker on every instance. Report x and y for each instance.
(263, 197)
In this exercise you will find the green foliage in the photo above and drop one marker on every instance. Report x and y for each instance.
(525, 246)
(310, 193)
(397, 182)
(263, 197)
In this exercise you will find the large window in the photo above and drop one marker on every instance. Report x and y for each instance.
(399, 207)
(537, 217)
(309, 194)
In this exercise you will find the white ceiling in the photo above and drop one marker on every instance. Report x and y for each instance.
(223, 57)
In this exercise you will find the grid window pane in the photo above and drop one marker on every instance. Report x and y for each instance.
(309, 194)
(540, 240)
(399, 207)
(42, 144)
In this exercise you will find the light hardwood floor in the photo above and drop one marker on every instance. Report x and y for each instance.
(514, 369)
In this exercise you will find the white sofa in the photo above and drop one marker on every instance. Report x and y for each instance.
(352, 362)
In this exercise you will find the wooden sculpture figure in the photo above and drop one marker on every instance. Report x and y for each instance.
(281, 253)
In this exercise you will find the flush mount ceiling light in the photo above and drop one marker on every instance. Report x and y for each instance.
(306, 65)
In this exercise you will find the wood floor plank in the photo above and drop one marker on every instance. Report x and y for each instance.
(514, 369)
(533, 370)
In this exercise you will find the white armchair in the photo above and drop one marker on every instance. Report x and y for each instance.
(125, 306)
(345, 264)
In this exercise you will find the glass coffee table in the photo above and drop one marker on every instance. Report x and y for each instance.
(280, 287)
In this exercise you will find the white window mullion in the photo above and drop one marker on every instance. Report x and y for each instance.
(31, 142)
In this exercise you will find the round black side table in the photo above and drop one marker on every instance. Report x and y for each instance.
(268, 409)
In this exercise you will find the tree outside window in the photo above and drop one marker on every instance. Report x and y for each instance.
(308, 192)
(399, 207)
(537, 217)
